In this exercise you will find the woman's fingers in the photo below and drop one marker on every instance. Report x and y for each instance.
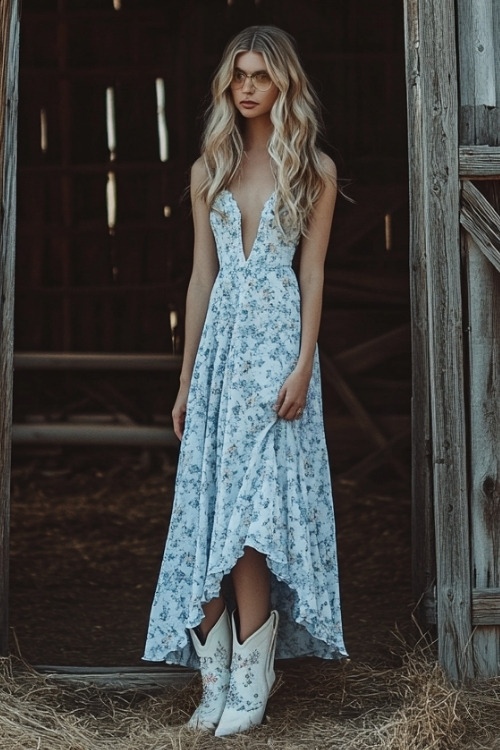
(179, 418)
(279, 401)
(288, 408)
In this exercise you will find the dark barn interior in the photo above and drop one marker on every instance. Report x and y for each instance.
(111, 101)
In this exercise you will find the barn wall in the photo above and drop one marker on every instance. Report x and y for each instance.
(82, 287)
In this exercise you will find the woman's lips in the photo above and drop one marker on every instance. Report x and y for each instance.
(247, 104)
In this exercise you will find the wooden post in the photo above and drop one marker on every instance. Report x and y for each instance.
(423, 541)
(432, 91)
(9, 31)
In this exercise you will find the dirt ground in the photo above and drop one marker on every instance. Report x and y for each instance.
(88, 530)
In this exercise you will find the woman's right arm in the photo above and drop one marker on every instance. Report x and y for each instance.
(205, 268)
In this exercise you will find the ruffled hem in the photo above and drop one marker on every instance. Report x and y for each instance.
(293, 629)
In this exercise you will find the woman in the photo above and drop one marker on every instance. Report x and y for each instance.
(252, 524)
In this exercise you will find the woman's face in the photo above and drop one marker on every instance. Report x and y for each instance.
(248, 97)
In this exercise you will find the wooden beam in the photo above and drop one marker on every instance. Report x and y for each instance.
(482, 222)
(96, 361)
(479, 162)
(9, 46)
(433, 143)
(120, 678)
(98, 434)
(486, 607)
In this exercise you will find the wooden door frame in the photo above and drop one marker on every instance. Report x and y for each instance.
(440, 471)
(9, 30)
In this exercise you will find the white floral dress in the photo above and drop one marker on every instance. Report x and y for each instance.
(246, 477)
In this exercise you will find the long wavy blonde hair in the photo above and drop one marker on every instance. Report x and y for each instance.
(299, 173)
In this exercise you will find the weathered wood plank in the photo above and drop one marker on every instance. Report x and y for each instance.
(98, 434)
(477, 68)
(122, 678)
(483, 284)
(477, 52)
(496, 42)
(485, 607)
(436, 160)
(482, 222)
(9, 46)
(479, 162)
(422, 521)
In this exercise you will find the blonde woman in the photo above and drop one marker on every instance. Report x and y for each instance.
(250, 562)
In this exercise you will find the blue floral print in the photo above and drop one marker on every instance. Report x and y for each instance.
(246, 477)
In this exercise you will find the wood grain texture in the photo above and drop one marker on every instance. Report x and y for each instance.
(486, 607)
(9, 44)
(479, 52)
(482, 222)
(478, 60)
(434, 151)
(423, 538)
(479, 162)
(483, 284)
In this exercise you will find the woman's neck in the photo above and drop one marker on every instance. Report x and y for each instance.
(257, 134)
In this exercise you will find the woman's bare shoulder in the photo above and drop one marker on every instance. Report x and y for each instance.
(198, 172)
(328, 165)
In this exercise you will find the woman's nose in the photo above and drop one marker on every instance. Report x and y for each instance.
(248, 84)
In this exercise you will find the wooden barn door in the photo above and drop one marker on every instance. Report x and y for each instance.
(479, 65)
(9, 48)
(454, 171)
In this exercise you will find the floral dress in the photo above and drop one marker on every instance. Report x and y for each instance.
(246, 477)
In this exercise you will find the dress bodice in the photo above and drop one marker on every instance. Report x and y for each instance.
(270, 249)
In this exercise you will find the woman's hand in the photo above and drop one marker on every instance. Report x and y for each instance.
(292, 397)
(179, 411)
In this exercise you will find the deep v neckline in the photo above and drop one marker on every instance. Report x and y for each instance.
(246, 258)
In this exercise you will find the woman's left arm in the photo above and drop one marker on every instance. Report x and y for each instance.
(293, 394)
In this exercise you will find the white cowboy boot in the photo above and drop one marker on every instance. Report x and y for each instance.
(252, 677)
(215, 660)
